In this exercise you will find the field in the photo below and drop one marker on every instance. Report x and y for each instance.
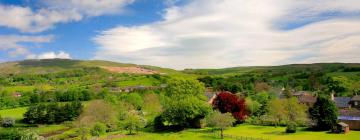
(244, 130)
(16, 113)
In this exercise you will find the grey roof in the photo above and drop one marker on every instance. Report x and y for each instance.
(343, 124)
(349, 118)
(356, 98)
(342, 101)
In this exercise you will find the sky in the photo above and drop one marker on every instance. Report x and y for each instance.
(182, 33)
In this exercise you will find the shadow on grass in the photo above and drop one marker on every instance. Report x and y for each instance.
(276, 133)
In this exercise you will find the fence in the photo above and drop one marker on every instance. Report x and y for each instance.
(238, 137)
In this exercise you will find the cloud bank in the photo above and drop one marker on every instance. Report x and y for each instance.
(223, 33)
(14, 44)
(52, 12)
(50, 55)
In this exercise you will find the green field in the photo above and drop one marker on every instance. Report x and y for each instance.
(265, 132)
(16, 113)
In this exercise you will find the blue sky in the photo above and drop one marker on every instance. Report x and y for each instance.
(191, 33)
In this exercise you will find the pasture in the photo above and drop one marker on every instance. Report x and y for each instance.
(244, 130)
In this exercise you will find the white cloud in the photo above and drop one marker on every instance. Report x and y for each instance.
(26, 19)
(50, 55)
(13, 43)
(223, 33)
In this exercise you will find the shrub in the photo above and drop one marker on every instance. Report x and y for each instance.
(98, 129)
(291, 127)
(8, 122)
(158, 123)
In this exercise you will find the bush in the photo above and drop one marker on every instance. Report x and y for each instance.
(158, 123)
(9, 134)
(16, 134)
(8, 122)
(98, 129)
(291, 127)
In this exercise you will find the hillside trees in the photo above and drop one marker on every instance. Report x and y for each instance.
(52, 113)
(227, 102)
(324, 113)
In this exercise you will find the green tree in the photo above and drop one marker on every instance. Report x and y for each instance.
(98, 129)
(324, 113)
(287, 110)
(276, 111)
(220, 121)
(185, 103)
(133, 121)
(186, 112)
(183, 87)
(252, 106)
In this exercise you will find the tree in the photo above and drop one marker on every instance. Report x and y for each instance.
(133, 121)
(220, 121)
(184, 103)
(178, 88)
(276, 111)
(252, 106)
(324, 113)
(98, 129)
(98, 111)
(186, 112)
(288, 110)
(228, 102)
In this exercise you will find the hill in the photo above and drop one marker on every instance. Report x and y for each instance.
(44, 66)
(328, 67)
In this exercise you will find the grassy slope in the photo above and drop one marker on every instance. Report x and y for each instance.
(56, 65)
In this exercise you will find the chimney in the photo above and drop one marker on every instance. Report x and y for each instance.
(332, 95)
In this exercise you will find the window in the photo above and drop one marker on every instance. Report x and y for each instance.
(356, 103)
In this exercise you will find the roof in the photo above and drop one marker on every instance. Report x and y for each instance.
(349, 112)
(342, 101)
(349, 118)
(307, 99)
(343, 124)
(356, 98)
(299, 93)
(210, 95)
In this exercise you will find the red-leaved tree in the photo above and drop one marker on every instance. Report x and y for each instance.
(228, 102)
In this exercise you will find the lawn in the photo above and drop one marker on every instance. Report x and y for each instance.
(16, 113)
(266, 132)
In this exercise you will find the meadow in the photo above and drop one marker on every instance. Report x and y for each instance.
(242, 130)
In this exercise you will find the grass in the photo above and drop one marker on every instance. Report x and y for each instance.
(16, 113)
(266, 132)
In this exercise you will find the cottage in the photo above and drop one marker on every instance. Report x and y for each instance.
(307, 99)
(355, 101)
(342, 102)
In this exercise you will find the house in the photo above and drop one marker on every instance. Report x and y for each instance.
(355, 101)
(210, 94)
(16, 94)
(350, 117)
(301, 93)
(308, 100)
(342, 102)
